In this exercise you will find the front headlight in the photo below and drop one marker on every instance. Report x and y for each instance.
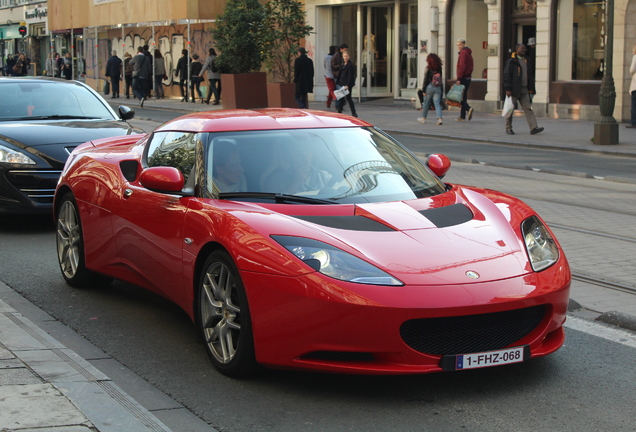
(8, 155)
(542, 250)
(336, 263)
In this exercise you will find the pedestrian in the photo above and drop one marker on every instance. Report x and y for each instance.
(160, 74)
(113, 71)
(182, 72)
(21, 67)
(464, 76)
(59, 60)
(433, 88)
(195, 79)
(128, 71)
(150, 78)
(346, 79)
(336, 61)
(49, 65)
(68, 66)
(331, 84)
(11, 60)
(519, 84)
(304, 78)
(142, 70)
(214, 77)
(632, 88)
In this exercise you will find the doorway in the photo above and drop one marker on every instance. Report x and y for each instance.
(377, 51)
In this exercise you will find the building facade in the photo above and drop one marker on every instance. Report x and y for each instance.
(390, 40)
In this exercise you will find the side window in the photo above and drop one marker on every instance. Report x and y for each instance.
(175, 149)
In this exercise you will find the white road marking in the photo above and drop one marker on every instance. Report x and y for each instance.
(605, 331)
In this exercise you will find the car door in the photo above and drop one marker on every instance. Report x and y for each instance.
(148, 225)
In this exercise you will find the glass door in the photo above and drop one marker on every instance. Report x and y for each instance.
(377, 51)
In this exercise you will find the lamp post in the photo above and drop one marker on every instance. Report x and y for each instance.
(606, 130)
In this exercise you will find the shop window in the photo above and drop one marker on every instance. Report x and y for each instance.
(580, 46)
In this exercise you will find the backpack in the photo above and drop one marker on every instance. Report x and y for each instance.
(214, 68)
(437, 79)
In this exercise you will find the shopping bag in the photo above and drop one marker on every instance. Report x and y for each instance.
(508, 107)
(456, 93)
(106, 87)
(340, 93)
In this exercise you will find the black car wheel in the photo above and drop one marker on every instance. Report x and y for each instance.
(70, 246)
(223, 317)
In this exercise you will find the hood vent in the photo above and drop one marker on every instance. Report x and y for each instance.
(448, 216)
(352, 223)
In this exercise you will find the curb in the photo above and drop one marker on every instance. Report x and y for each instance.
(618, 319)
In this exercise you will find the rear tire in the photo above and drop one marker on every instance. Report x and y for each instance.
(70, 246)
(223, 317)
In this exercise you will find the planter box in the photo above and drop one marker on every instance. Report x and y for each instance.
(244, 90)
(281, 95)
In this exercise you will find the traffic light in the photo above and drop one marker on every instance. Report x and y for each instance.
(22, 30)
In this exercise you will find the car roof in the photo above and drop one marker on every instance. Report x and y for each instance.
(260, 119)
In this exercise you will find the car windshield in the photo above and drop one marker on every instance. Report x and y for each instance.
(330, 165)
(42, 100)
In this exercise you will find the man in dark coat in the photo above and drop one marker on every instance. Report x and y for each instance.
(518, 78)
(182, 72)
(113, 71)
(303, 77)
(464, 77)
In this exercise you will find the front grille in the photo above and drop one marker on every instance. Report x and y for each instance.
(471, 333)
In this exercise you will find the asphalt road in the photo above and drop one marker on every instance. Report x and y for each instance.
(585, 386)
(588, 385)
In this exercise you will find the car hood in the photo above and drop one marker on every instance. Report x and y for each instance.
(41, 133)
(464, 238)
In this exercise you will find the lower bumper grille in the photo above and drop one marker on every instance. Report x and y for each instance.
(37, 185)
(471, 333)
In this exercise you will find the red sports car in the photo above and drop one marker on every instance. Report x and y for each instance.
(311, 240)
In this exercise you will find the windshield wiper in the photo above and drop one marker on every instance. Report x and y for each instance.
(277, 197)
(55, 117)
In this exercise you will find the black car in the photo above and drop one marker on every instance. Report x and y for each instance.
(41, 121)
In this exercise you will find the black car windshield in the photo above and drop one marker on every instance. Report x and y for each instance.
(338, 165)
(49, 100)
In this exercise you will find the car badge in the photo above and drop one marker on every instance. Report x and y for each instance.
(472, 274)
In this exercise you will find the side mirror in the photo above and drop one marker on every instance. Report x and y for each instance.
(162, 179)
(126, 113)
(439, 164)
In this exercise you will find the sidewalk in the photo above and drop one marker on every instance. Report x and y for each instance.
(47, 387)
(400, 116)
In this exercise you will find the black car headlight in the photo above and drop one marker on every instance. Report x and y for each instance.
(542, 249)
(335, 263)
(8, 155)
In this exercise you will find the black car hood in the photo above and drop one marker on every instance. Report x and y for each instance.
(73, 132)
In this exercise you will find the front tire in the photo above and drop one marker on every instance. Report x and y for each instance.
(223, 317)
(70, 246)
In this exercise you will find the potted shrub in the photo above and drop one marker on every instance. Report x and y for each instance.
(283, 28)
(237, 36)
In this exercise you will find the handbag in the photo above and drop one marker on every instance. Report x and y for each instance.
(456, 93)
(106, 87)
(508, 107)
(340, 93)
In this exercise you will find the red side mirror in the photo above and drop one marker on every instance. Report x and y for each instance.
(439, 164)
(162, 179)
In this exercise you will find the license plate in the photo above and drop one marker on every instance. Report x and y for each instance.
(486, 359)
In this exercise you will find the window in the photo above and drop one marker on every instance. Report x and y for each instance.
(580, 46)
